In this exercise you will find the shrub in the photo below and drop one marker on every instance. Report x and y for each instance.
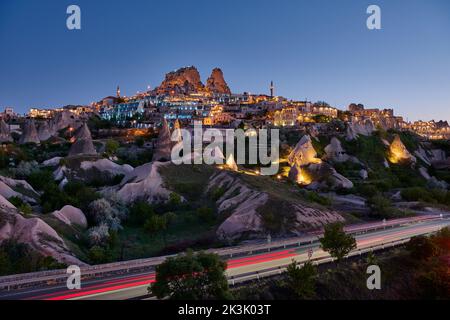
(54, 199)
(24, 169)
(97, 255)
(217, 193)
(155, 224)
(26, 209)
(80, 195)
(416, 194)
(111, 146)
(98, 235)
(139, 213)
(101, 210)
(368, 190)
(18, 258)
(317, 198)
(174, 200)
(16, 201)
(206, 214)
(382, 207)
(139, 141)
(39, 179)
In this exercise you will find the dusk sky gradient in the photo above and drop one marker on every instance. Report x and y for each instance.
(319, 50)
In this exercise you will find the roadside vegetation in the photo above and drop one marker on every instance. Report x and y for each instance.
(418, 270)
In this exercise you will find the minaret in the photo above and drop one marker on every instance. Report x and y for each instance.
(271, 89)
(118, 92)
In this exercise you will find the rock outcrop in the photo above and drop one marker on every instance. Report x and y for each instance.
(63, 120)
(107, 166)
(83, 144)
(164, 144)
(36, 233)
(176, 134)
(303, 153)
(335, 152)
(246, 205)
(364, 127)
(90, 169)
(398, 152)
(216, 83)
(182, 81)
(18, 188)
(350, 134)
(44, 131)
(19, 184)
(308, 170)
(143, 183)
(53, 162)
(5, 134)
(231, 163)
(29, 133)
(363, 174)
(71, 216)
(323, 176)
(5, 203)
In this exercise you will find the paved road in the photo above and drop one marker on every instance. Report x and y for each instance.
(135, 286)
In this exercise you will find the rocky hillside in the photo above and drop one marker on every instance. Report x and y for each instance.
(35, 233)
(256, 209)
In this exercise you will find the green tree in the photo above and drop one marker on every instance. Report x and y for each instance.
(111, 146)
(97, 255)
(139, 213)
(139, 141)
(190, 276)
(321, 118)
(155, 224)
(302, 280)
(336, 242)
(174, 200)
(206, 214)
(421, 248)
(381, 206)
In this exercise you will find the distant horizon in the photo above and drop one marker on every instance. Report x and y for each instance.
(319, 51)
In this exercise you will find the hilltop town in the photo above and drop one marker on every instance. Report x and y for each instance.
(183, 96)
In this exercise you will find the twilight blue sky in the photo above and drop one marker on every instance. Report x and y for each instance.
(320, 50)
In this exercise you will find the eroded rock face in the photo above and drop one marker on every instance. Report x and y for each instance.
(164, 144)
(35, 233)
(71, 216)
(365, 128)
(63, 120)
(335, 152)
(398, 152)
(244, 205)
(303, 153)
(5, 134)
(176, 134)
(324, 176)
(182, 81)
(308, 170)
(231, 164)
(83, 144)
(29, 133)
(44, 131)
(363, 174)
(143, 183)
(350, 133)
(107, 166)
(216, 83)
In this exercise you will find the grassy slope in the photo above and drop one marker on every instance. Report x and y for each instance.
(186, 231)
